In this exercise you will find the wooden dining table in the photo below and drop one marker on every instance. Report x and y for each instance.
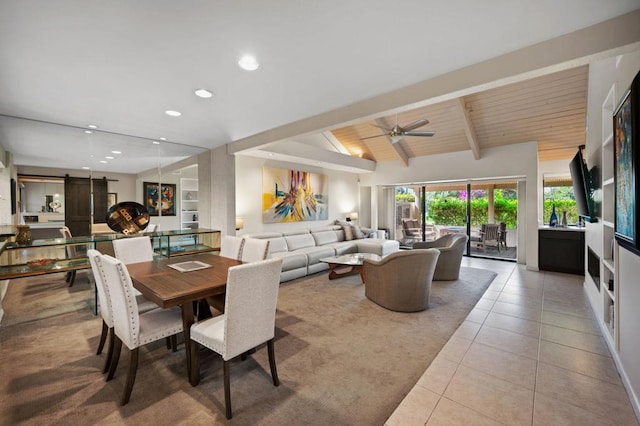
(168, 287)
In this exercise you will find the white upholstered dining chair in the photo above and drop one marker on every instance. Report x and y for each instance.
(249, 250)
(133, 250)
(105, 307)
(254, 249)
(248, 320)
(130, 327)
(231, 246)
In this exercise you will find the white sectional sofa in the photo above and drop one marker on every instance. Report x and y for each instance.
(302, 250)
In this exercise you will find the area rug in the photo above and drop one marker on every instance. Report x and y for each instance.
(341, 360)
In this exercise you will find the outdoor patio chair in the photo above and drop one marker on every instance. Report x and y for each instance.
(488, 236)
(413, 231)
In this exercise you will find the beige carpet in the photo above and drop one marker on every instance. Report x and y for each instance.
(341, 359)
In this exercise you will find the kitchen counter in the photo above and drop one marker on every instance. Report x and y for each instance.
(560, 228)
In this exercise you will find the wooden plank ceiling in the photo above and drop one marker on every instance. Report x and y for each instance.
(550, 109)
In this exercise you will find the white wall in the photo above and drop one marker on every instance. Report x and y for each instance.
(343, 194)
(513, 160)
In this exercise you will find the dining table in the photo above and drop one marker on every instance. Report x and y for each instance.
(168, 287)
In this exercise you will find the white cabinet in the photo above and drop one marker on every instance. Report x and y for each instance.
(189, 203)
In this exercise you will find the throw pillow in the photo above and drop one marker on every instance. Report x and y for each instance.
(357, 232)
(348, 233)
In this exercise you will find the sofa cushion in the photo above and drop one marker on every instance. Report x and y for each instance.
(357, 232)
(314, 254)
(291, 261)
(348, 233)
(295, 232)
(325, 237)
(300, 241)
(345, 247)
(378, 246)
(277, 245)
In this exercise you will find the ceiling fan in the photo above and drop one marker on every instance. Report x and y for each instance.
(397, 132)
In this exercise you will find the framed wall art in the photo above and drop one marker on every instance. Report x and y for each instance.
(626, 157)
(293, 196)
(160, 199)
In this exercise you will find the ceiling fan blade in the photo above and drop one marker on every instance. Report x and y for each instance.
(371, 137)
(416, 124)
(386, 129)
(419, 133)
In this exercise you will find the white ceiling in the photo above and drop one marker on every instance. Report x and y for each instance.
(121, 64)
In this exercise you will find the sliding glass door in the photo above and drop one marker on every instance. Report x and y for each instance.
(493, 208)
(486, 212)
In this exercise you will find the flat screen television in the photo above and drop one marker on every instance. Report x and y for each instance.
(582, 187)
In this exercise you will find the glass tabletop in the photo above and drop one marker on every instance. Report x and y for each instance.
(353, 259)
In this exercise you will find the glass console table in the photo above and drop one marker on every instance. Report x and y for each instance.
(53, 255)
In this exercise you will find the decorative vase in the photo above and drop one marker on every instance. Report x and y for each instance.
(553, 220)
(564, 219)
(24, 235)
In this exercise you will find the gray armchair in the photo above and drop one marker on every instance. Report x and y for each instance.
(401, 281)
(451, 248)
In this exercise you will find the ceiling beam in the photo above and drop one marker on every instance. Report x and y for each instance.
(605, 39)
(382, 122)
(306, 154)
(468, 128)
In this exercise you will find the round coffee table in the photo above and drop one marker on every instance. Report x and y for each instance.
(353, 263)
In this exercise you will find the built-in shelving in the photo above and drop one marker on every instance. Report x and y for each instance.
(608, 300)
(189, 214)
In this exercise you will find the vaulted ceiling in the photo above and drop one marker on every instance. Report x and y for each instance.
(550, 110)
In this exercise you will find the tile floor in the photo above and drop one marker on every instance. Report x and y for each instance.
(529, 353)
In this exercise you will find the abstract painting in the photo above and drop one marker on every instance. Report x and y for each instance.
(626, 153)
(160, 200)
(293, 195)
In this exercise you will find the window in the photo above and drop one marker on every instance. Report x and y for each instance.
(558, 191)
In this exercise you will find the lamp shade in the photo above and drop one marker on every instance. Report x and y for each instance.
(353, 215)
(239, 223)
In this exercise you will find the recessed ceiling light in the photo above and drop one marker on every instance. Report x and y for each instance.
(248, 63)
(163, 139)
(156, 143)
(88, 132)
(116, 152)
(86, 168)
(203, 93)
(92, 126)
(103, 161)
(173, 113)
(110, 158)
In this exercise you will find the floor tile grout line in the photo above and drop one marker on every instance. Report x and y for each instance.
(535, 378)
(474, 410)
(584, 375)
(573, 347)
